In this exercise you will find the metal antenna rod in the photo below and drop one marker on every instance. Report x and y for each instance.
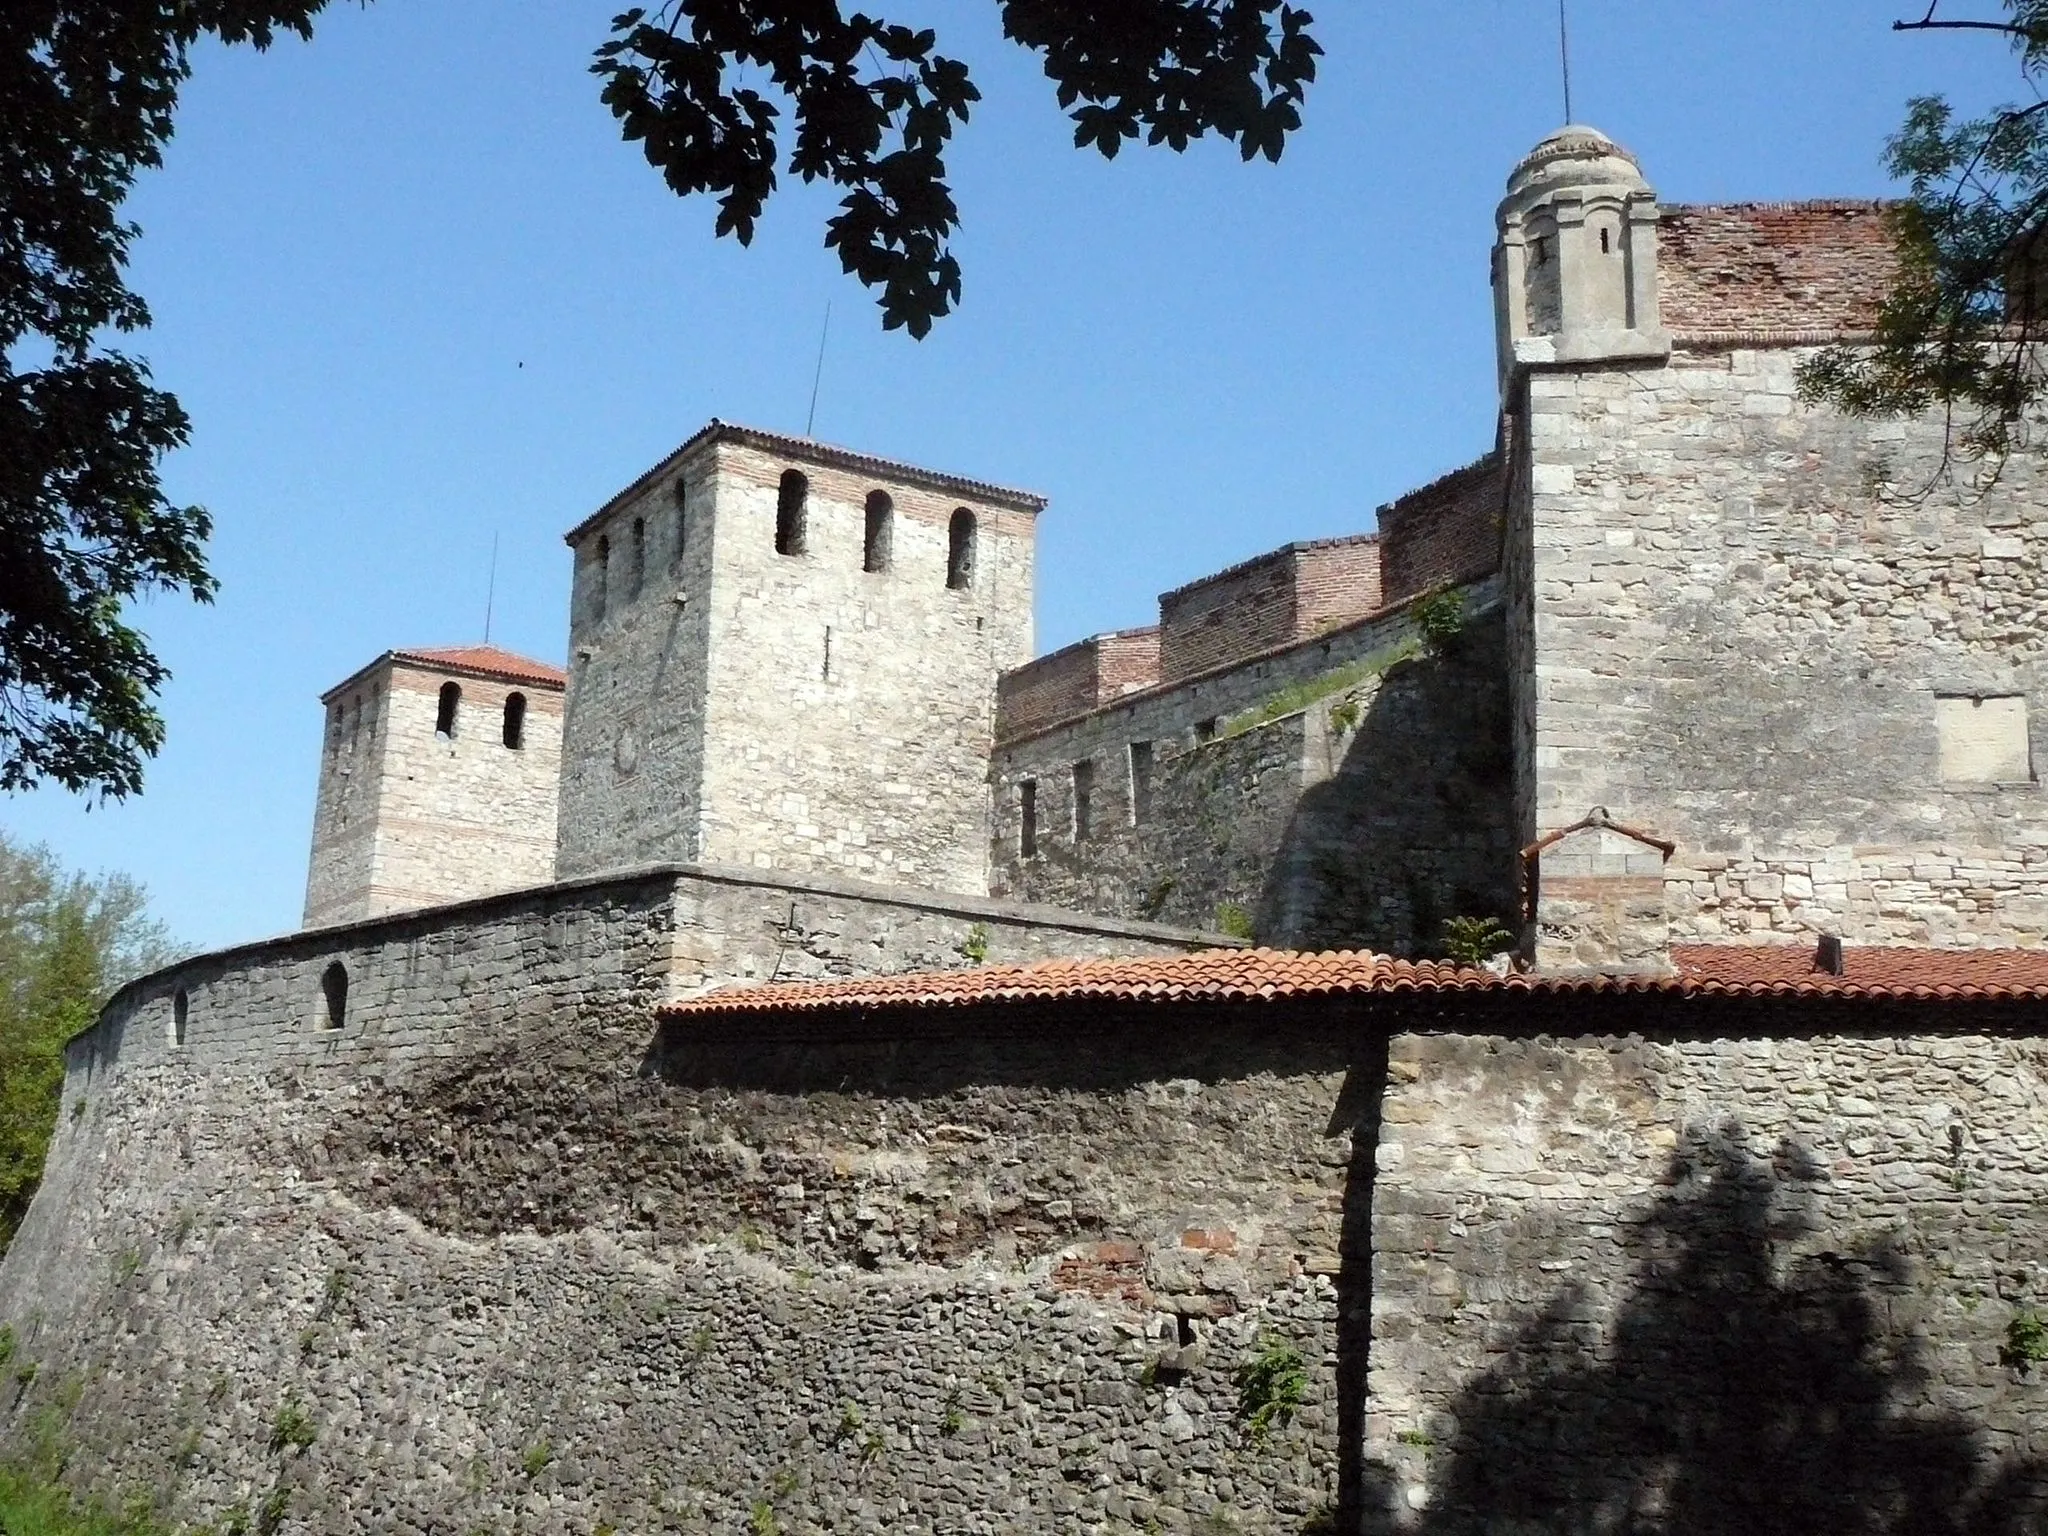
(1564, 58)
(819, 372)
(491, 589)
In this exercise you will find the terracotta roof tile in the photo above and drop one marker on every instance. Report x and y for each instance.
(1246, 974)
(489, 661)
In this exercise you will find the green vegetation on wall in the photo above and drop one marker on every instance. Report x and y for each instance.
(66, 941)
(1299, 696)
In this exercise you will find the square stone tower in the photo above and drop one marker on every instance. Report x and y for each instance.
(1778, 671)
(437, 782)
(784, 655)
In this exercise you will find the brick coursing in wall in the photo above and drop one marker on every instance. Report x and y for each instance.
(1817, 267)
(1445, 534)
(1364, 807)
(1288, 595)
(1076, 679)
(405, 817)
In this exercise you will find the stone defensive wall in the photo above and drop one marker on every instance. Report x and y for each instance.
(389, 993)
(1346, 790)
(1429, 1257)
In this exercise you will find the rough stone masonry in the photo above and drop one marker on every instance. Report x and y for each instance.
(430, 1220)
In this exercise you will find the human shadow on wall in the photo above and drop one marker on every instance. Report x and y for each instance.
(1415, 825)
(1751, 1382)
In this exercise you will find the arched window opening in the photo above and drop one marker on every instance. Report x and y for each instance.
(682, 518)
(601, 578)
(515, 720)
(444, 717)
(881, 518)
(789, 513)
(334, 992)
(637, 571)
(960, 550)
(181, 1009)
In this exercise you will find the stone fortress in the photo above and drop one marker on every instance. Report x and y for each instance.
(798, 1070)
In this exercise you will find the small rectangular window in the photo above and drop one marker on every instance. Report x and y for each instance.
(1141, 782)
(1983, 739)
(1205, 730)
(1027, 818)
(1084, 794)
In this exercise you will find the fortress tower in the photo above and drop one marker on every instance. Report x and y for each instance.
(784, 655)
(1575, 266)
(437, 782)
(1773, 676)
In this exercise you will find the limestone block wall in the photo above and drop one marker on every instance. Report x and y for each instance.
(1763, 1277)
(851, 710)
(639, 636)
(1748, 624)
(796, 711)
(1353, 791)
(465, 815)
(428, 983)
(406, 817)
(340, 869)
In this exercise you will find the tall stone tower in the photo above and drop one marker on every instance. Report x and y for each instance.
(437, 782)
(1766, 686)
(784, 655)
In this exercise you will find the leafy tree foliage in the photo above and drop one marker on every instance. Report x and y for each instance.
(66, 942)
(1960, 331)
(874, 105)
(87, 91)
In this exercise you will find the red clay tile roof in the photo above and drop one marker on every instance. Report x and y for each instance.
(1221, 975)
(471, 660)
(488, 661)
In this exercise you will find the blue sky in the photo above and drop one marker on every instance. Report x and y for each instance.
(416, 294)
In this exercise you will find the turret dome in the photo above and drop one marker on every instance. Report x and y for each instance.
(1574, 156)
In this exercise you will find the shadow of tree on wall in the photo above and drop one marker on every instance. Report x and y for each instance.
(1750, 1382)
(1416, 823)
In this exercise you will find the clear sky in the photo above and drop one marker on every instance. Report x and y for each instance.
(417, 294)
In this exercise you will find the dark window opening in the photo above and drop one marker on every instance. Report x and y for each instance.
(1539, 251)
(181, 1009)
(334, 990)
(601, 581)
(1027, 828)
(1605, 248)
(636, 572)
(1205, 730)
(826, 671)
(1141, 782)
(515, 720)
(1084, 796)
(444, 718)
(875, 547)
(960, 550)
(789, 513)
(682, 519)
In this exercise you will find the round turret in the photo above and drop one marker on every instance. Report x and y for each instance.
(1575, 268)
(1574, 156)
